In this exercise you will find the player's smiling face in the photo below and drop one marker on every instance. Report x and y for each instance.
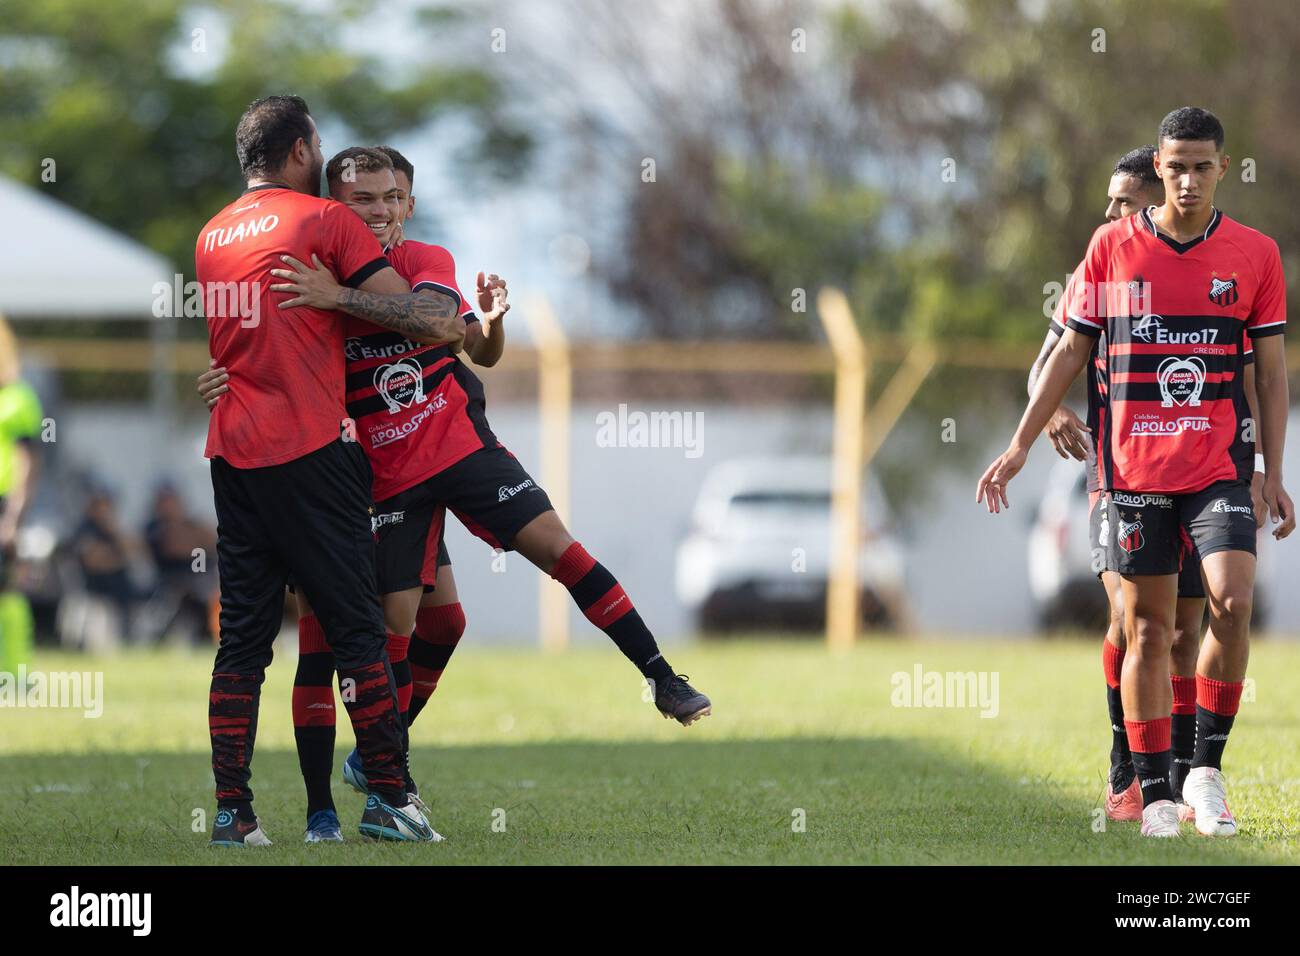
(1191, 170)
(373, 195)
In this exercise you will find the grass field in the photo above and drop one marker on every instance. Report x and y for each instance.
(581, 770)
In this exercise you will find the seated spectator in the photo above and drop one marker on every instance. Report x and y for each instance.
(185, 579)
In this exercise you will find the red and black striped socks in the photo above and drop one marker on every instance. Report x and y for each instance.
(1112, 661)
(437, 632)
(1216, 709)
(604, 602)
(1182, 736)
(1149, 742)
(232, 725)
(313, 713)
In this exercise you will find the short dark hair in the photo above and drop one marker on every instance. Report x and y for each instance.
(267, 132)
(1140, 164)
(1191, 122)
(399, 162)
(362, 159)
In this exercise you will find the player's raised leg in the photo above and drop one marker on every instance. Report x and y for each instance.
(547, 543)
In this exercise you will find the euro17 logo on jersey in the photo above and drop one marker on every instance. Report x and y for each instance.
(1223, 292)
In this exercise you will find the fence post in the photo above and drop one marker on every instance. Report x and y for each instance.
(851, 371)
(555, 406)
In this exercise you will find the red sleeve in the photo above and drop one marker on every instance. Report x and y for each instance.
(1084, 309)
(348, 248)
(1268, 311)
(434, 268)
(1058, 314)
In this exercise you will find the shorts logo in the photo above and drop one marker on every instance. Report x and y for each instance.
(391, 517)
(1223, 293)
(1142, 501)
(400, 384)
(505, 491)
(1181, 380)
(1130, 534)
(1221, 506)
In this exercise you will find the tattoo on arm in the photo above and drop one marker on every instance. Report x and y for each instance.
(1036, 369)
(417, 315)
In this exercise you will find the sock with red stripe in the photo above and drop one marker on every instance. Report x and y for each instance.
(314, 716)
(232, 725)
(1182, 736)
(1149, 742)
(1112, 660)
(602, 599)
(1216, 709)
(398, 646)
(437, 632)
(370, 697)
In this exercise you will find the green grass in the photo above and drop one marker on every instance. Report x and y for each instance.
(586, 772)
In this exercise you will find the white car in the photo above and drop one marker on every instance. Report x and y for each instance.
(758, 552)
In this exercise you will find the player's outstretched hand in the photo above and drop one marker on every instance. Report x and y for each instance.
(992, 488)
(1069, 434)
(315, 288)
(212, 384)
(1280, 508)
(493, 297)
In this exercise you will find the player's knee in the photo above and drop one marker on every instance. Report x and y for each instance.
(1150, 636)
(1231, 612)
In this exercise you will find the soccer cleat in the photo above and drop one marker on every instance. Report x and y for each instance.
(354, 775)
(1206, 795)
(1160, 819)
(682, 702)
(323, 827)
(383, 822)
(229, 830)
(1123, 800)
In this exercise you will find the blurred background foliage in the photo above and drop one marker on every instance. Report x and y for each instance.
(796, 143)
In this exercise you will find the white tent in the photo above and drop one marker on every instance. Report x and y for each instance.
(61, 264)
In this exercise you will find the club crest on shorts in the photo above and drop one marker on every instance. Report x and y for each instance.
(1181, 379)
(1129, 534)
(400, 384)
(1223, 292)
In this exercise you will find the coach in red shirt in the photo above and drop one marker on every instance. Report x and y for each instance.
(291, 486)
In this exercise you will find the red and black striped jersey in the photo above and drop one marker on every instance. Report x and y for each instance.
(1174, 316)
(417, 408)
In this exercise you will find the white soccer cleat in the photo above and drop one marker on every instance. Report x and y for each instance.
(1160, 819)
(1206, 794)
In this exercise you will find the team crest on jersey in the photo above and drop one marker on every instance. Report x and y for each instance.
(1129, 534)
(400, 384)
(1181, 379)
(1223, 292)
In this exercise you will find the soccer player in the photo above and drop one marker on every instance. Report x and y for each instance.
(1173, 288)
(419, 413)
(292, 497)
(20, 423)
(1134, 186)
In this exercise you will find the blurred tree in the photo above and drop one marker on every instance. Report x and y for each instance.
(136, 101)
(944, 162)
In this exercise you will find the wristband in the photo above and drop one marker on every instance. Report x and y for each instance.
(1259, 463)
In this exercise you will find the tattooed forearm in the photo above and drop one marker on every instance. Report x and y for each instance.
(425, 316)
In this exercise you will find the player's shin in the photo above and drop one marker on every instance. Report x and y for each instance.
(314, 716)
(438, 631)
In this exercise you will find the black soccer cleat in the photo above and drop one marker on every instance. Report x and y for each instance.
(229, 830)
(381, 821)
(682, 702)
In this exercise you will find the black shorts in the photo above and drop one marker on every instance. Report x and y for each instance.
(1096, 530)
(1190, 584)
(489, 492)
(309, 518)
(1143, 533)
